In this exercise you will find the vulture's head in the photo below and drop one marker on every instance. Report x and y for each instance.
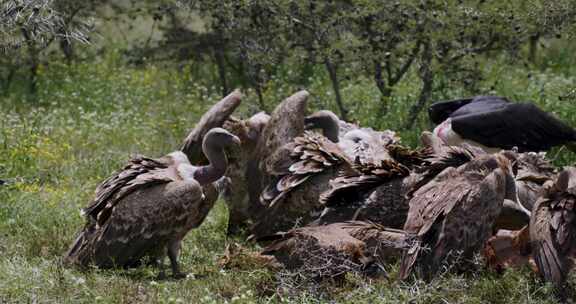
(508, 162)
(566, 181)
(505, 161)
(218, 138)
(256, 125)
(325, 120)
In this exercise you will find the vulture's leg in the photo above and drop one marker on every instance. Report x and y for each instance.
(158, 262)
(173, 253)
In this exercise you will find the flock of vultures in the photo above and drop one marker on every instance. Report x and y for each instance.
(311, 188)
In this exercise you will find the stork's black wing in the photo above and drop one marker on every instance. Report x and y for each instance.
(440, 111)
(521, 125)
(482, 104)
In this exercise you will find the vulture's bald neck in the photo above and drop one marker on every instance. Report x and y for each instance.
(330, 127)
(218, 162)
(332, 131)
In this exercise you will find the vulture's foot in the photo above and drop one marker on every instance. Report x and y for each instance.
(173, 252)
(161, 275)
(179, 275)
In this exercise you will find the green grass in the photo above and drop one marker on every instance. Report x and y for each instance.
(89, 118)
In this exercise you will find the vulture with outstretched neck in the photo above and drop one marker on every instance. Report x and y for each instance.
(455, 212)
(495, 123)
(553, 228)
(533, 171)
(146, 209)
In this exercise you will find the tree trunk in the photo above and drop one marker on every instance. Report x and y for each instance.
(336, 87)
(7, 81)
(427, 84)
(533, 47)
(219, 58)
(32, 63)
(306, 72)
(67, 49)
(258, 89)
(385, 91)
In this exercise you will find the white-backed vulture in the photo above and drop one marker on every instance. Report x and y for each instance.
(301, 173)
(149, 206)
(146, 209)
(284, 124)
(553, 228)
(454, 214)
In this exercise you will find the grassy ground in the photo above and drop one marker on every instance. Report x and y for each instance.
(90, 118)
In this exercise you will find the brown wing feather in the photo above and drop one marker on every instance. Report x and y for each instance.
(351, 185)
(140, 172)
(311, 154)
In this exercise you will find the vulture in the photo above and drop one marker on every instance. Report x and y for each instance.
(532, 171)
(292, 165)
(332, 250)
(236, 182)
(553, 228)
(302, 171)
(284, 124)
(455, 212)
(380, 193)
(373, 192)
(514, 214)
(495, 123)
(143, 211)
